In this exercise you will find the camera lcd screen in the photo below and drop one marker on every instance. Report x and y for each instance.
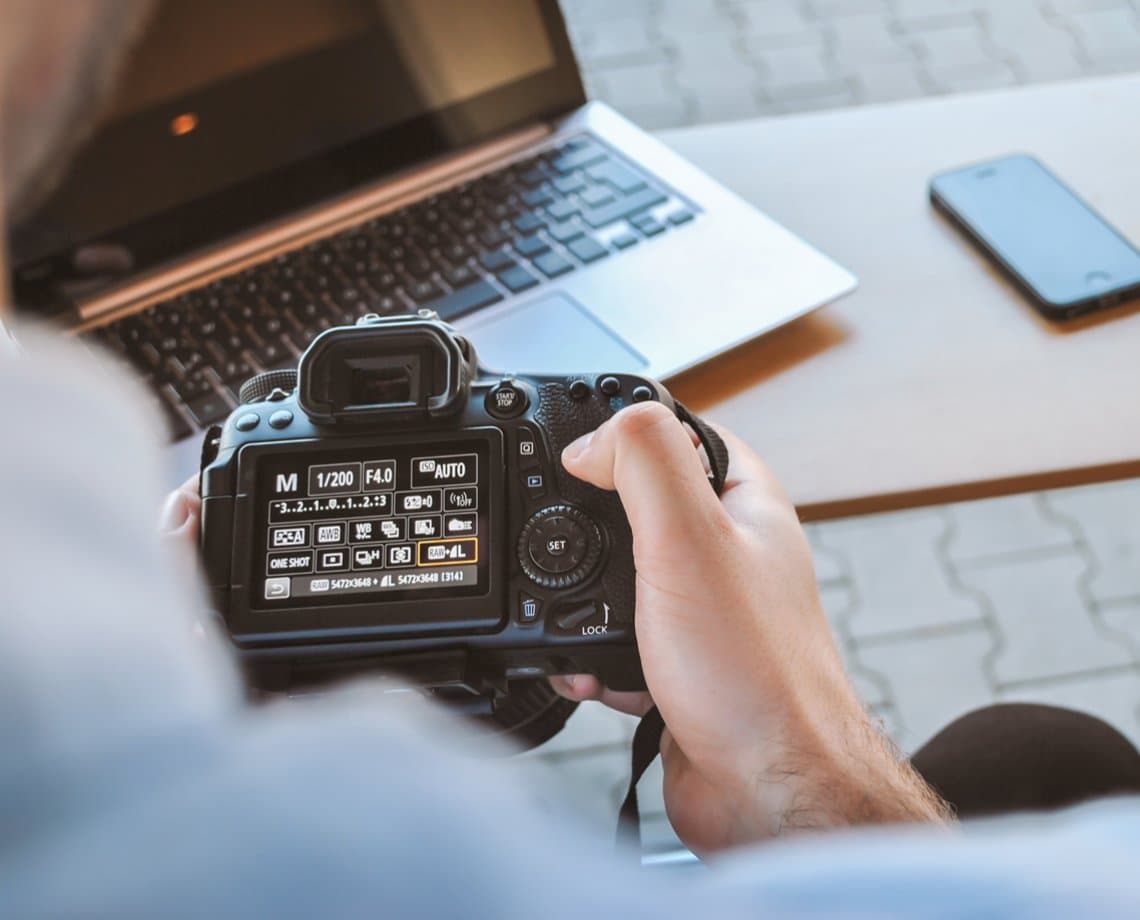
(372, 524)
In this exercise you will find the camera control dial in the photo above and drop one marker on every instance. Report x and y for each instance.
(559, 546)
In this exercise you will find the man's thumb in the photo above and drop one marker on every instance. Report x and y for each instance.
(645, 453)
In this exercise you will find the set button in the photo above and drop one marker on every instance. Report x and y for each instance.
(559, 546)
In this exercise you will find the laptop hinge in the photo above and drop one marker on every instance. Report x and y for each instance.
(313, 223)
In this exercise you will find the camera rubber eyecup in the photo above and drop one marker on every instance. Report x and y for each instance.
(559, 546)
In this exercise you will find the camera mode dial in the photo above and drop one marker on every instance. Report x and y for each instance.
(559, 546)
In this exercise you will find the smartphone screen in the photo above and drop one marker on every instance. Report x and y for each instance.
(1052, 242)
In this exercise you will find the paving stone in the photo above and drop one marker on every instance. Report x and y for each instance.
(591, 11)
(1107, 33)
(983, 77)
(776, 22)
(1123, 618)
(902, 583)
(806, 65)
(727, 104)
(1041, 616)
(934, 13)
(592, 726)
(1002, 526)
(1112, 697)
(889, 82)
(829, 564)
(1065, 7)
(956, 48)
(841, 9)
(685, 18)
(865, 40)
(620, 42)
(932, 679)
(1109, 518)
(834, 94)
(647, 95)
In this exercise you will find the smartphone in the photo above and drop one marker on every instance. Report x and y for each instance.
(1054, 246)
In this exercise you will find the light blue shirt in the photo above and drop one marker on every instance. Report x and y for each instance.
(135, 782)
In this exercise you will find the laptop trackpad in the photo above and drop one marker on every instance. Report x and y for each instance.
(551, 335)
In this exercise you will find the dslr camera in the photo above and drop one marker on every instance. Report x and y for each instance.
(392, 506)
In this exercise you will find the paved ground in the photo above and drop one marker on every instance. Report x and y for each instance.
(1033, 597)
(677, 62)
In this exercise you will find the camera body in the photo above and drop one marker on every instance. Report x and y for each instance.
(402, 509)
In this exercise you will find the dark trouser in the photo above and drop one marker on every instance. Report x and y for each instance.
(1019, 756)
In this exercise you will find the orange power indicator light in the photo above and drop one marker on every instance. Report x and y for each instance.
(183, 124)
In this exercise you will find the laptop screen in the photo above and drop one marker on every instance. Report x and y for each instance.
(229, 114)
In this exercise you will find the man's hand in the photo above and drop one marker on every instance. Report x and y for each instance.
(178, 520)
(764, 732)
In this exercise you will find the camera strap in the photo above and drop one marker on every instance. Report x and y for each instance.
(647, 737)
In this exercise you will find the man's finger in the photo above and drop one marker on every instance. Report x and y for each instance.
(582, 687)
(180, 511)
(646, 454)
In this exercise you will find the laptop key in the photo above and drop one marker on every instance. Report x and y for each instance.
(420, 291)
(517, 279)
(459, 276)
(565, 232)
(587, 249)
(597, 195)
(624, 207)
(586, 155)
(560, 210)
(531, 245)
(494, 236)
(537, 197)
(208, 409)
(464, 300)
(567, 185)
(496, 260)
(623, 179)
(176, 426)
(528, 223)
(625, 240)
(680, 217)
(552, 264)
(650, 226)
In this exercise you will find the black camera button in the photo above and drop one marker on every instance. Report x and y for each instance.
(282, 418)
(534, 483)
(530, 609)
(609, 386)
(247, 422)
(528, 450)
(559, 546)
(506, 400)
(576, 616)
(642, 394)
(579, 389)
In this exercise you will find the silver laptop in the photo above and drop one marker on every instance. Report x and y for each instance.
(269, 168)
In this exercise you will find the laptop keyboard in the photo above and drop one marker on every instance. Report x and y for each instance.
(469, 247)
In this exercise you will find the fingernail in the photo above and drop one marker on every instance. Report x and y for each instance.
(570, 681)
(175, 512)
(575, 449)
